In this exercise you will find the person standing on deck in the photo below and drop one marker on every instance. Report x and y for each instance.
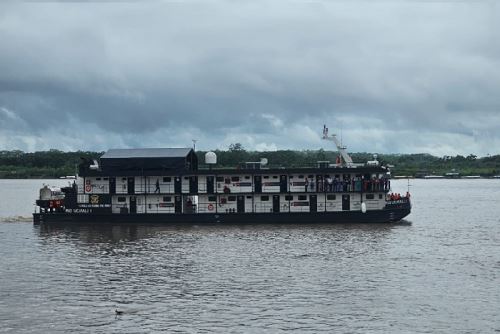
(157, 186)
(330, 183)
(306, 183)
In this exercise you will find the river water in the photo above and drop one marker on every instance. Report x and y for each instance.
(436, 272)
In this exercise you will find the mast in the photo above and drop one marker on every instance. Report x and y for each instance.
(346, 158)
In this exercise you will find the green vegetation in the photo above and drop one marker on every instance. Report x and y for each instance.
(54, 163)
(44, 164)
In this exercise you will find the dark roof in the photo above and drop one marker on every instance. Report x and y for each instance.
(146, 153)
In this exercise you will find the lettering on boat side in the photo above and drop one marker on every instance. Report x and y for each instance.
(84, 205)
(79, 210)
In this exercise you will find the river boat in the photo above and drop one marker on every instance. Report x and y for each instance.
(168, 185)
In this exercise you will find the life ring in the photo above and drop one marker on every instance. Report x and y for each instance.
(210, 207)
(88, 188)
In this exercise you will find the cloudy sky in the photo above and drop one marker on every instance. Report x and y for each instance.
(396, 76)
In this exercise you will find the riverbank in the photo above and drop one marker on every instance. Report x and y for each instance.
(56, 164)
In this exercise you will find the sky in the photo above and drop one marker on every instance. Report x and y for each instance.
(390, 76)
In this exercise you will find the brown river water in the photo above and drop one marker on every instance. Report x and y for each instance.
(436, 272)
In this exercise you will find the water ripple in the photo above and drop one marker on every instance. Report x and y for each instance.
(437, 272)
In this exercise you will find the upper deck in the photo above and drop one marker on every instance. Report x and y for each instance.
(175, 171)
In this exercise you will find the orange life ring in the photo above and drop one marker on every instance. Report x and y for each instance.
(210, 207)
(88, 188)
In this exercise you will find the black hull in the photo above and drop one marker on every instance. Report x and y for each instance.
(342, 217)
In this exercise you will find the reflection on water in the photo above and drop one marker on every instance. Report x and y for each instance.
(115, 233)
(436, 272)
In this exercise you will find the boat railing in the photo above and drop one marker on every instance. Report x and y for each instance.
(214, 208)
(202, 188)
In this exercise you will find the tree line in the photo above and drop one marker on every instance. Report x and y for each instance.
(55, 163)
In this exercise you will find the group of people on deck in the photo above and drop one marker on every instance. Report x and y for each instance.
(397, 196)
(346, 184)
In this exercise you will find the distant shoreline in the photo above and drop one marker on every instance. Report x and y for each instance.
(54, 164)
(439, 177)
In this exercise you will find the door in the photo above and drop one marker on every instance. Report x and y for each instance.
(133, 204)
(131, 185)
(313, 203)
(240, 203)
(178, 204)
(112, 185)
(193, 184)
(346, 202)
(257, 182)
(177, 185)
(276, 203)
(210, 184)
(283, 184)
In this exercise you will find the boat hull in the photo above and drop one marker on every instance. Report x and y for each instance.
(341, 217)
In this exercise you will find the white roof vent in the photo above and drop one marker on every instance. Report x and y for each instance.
(95, 165)
(263, 161)
(373, 162)
(210, 158)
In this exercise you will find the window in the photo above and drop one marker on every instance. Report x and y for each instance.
(331, 197)
(301, 176)
(167, 199)
(249, 197)
(219, 179)
(264, 198)
(247, 177)
(98, 179)
(212, 199)
(227, 180)
(302, 197)
(275, 176)
(167, 179)
(235, 178)
(186, 177)
(291, 176)
(379, 196)
(370, 196)
(105, 178)
(310, 176)
(124, 179)
(122, 199)
(231, 198)
(266, 176)
(288, 198)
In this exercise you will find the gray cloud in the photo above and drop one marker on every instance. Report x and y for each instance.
(396, 76)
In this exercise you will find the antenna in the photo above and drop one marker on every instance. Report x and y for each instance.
(194, 144)
(342, 149)
(341, 142)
